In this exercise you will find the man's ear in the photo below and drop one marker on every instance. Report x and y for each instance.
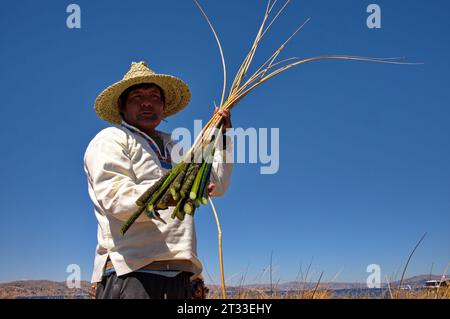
(121, 107)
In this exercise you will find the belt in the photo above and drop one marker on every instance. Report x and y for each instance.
(180, 265)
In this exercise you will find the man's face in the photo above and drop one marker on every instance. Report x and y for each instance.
(144, 108)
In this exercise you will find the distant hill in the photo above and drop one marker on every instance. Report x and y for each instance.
(417, 281)
(414, 282)
(44, 289)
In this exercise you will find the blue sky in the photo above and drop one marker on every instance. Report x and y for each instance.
(364, 147)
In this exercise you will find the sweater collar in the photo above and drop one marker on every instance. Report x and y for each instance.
(166, 137)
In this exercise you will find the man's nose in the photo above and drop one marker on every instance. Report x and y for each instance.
(146, 104)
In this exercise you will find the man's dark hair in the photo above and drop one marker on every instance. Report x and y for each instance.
(123, 97)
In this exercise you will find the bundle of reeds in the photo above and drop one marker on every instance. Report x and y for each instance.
(186, 184)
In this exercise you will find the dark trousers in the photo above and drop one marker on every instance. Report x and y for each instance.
(138, 285)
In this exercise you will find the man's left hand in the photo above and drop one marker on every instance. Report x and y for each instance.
(226, 116)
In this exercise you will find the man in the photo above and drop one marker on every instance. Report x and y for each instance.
(156, 258)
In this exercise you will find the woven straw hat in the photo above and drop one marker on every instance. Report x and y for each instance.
(176, 92)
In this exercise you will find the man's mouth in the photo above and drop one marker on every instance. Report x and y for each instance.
(148, 116)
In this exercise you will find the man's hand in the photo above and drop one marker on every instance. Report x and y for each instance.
(226, 116)
(211, 188)
(172, 202)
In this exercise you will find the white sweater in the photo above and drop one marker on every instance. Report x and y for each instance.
(120, 166)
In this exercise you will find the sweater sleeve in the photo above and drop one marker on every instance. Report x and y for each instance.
(222, 168)
(111, 178)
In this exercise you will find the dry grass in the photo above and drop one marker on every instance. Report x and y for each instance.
(443, 293)
(255, 293)
(307, 289)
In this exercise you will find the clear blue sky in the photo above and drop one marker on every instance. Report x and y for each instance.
(364, 150)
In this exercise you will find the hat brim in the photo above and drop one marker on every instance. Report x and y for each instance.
(176, 92)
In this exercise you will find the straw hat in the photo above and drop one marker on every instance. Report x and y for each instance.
(176, 92)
